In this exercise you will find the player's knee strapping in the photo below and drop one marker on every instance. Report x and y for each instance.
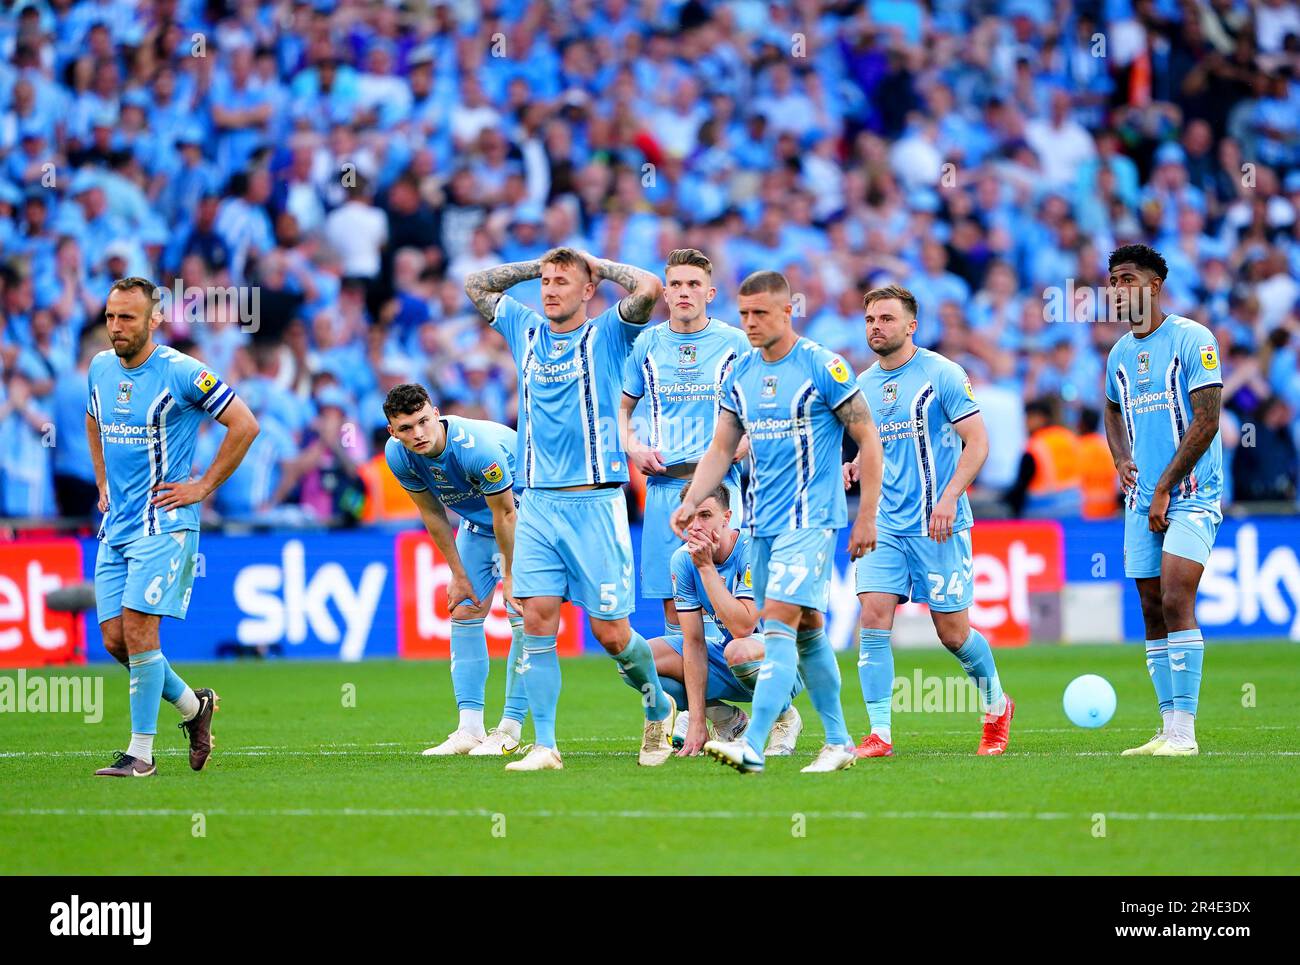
(822, 675)
(876, 674)
(516, 698)
(1158, 668)
(776, 676)
(469, 663)
(976, 657)
(1186, 658)
(541, 673)
(637, 661)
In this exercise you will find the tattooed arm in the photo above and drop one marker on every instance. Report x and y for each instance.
(485, 287)
(1206, 403)
(855, 415)
(643, 288)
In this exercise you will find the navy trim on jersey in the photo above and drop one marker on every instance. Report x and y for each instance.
(801, 412)
(1177, 414)
(923, 459)
(1130, 425)
(589, 406)
(157, 467)
(529, 345)
(962, 418)
(652, 389)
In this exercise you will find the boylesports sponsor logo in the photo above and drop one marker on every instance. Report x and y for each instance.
(1149, 402)
(123, 433)
(554, 371)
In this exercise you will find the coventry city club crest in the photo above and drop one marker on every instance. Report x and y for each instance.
(559, 348)
(769, 387)
(891, 393)
(686, 355)
(1144, 363)
(124, 393)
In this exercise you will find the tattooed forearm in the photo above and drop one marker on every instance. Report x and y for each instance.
(1205, 425)
(853, 410)
(484, 288)
(643, 289)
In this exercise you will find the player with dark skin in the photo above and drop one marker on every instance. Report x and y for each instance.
(1168, 600)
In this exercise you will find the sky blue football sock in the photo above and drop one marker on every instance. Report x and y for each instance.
(540, 671)
(638, 662)
(876, 674)
(976, 657)
(1158, 668)
(148, 671)
(173, 686)
(674, 689)
(469, 663)
(822, 675)
(177, 692)
(1186, 658)
(516, 698)
(775, 678)
(746, 674)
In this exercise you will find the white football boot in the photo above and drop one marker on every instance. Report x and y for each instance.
(731, 729)
(656, 739)
(497, 743)
(785, 734)
(833, 757)
(735, 754)
(1149, 748)
(1174, 747)
(539, 758)
(459, 741)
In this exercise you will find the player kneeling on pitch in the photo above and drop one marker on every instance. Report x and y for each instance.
(716, 656)
(145, 404)
(469, 465)
(934, 443)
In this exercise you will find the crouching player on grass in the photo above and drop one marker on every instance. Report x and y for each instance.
(715, 658)
(468, 465)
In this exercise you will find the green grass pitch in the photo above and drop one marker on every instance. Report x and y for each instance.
(301, 783)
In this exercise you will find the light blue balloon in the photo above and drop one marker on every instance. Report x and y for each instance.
(1089, 701)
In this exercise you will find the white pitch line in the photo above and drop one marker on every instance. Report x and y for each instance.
(643, 814)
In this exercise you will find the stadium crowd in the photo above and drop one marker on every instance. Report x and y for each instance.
(343, 165)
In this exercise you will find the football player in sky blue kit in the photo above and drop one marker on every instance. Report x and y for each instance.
(572, 541)
(674, 373)
(468, 466)
(145, 404)
(1164, 388)
(717, 654)
(795, 400)
(934, 443)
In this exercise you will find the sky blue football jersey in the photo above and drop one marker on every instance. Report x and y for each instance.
(478, 461)
(1151, 379)
(795, 439)
(915, 407)
(569, 393)
(149, 419)
(689, 592)
(678, 378)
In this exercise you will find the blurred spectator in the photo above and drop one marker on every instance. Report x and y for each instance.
(1097, 475)
(1050, 480)
(1265, 465)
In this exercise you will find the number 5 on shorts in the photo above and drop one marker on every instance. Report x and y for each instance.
(607, 598)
